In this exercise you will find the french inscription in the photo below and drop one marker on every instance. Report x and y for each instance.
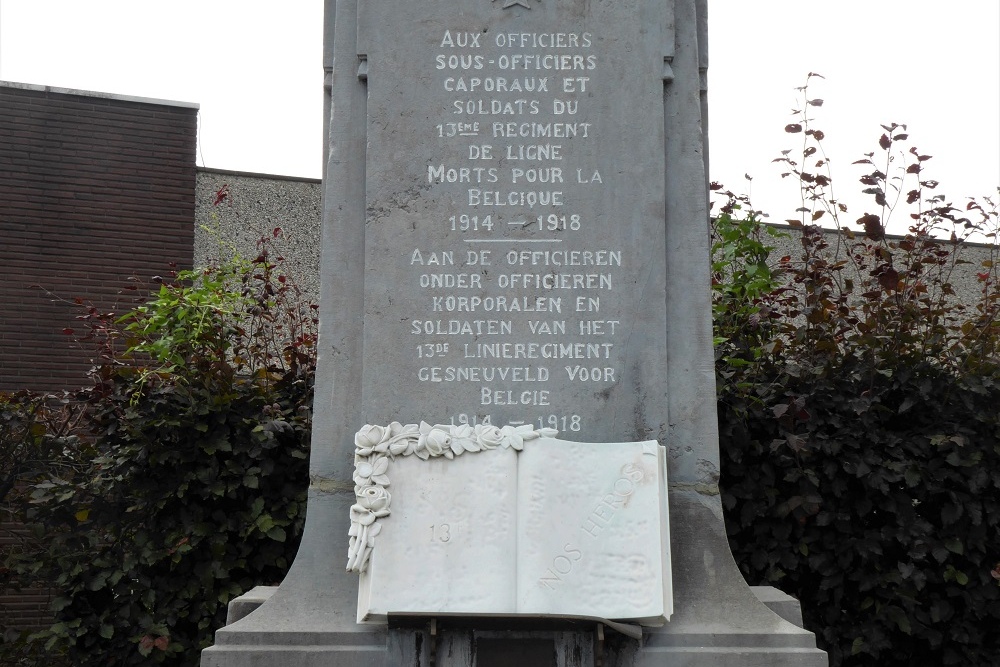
(602, 514)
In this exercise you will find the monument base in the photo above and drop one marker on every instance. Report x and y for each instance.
(303, 622)
(719, 621)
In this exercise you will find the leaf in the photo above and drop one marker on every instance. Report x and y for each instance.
(950, 513)
(955, 546)
(277, 534)
(873, 226)
(899, 617)
(793, 128)
(885, 142)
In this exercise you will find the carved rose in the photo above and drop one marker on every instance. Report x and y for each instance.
(436, 441)
(489, 436)
(369, 436)
(375, 499)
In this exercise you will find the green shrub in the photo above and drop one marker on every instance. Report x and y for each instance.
(193, 489)
(38, 438)
(860, 436)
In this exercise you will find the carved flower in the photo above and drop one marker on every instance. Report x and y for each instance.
(436, 441)
(369, 437)
(371, 471)
(375, 499)
(488, 436)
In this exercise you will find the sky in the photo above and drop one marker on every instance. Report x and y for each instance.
(256, 72)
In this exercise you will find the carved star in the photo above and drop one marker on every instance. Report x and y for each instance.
(511, 3)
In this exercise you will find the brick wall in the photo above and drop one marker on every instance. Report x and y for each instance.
(93, 189)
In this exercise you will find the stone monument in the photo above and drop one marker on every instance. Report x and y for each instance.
(515, 235)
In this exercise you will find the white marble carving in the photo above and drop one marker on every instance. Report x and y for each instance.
(556, 528)
(377, 446)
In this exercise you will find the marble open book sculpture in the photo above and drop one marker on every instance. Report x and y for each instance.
(508, 521)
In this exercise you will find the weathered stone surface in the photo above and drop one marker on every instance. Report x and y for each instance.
(781, 603)
(514, 194)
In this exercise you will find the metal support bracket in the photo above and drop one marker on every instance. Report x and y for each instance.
(432, 649)
(599, 645)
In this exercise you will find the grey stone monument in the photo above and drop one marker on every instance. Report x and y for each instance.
(515, 233)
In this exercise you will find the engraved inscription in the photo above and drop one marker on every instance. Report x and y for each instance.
(602, 514)
(514, 256)
(531, 167)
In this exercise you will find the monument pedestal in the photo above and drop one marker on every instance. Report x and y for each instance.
(718, 620)
(309, 620)
(496, 643)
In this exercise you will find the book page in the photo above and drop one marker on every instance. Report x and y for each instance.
(589, 530)
(448, 545)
